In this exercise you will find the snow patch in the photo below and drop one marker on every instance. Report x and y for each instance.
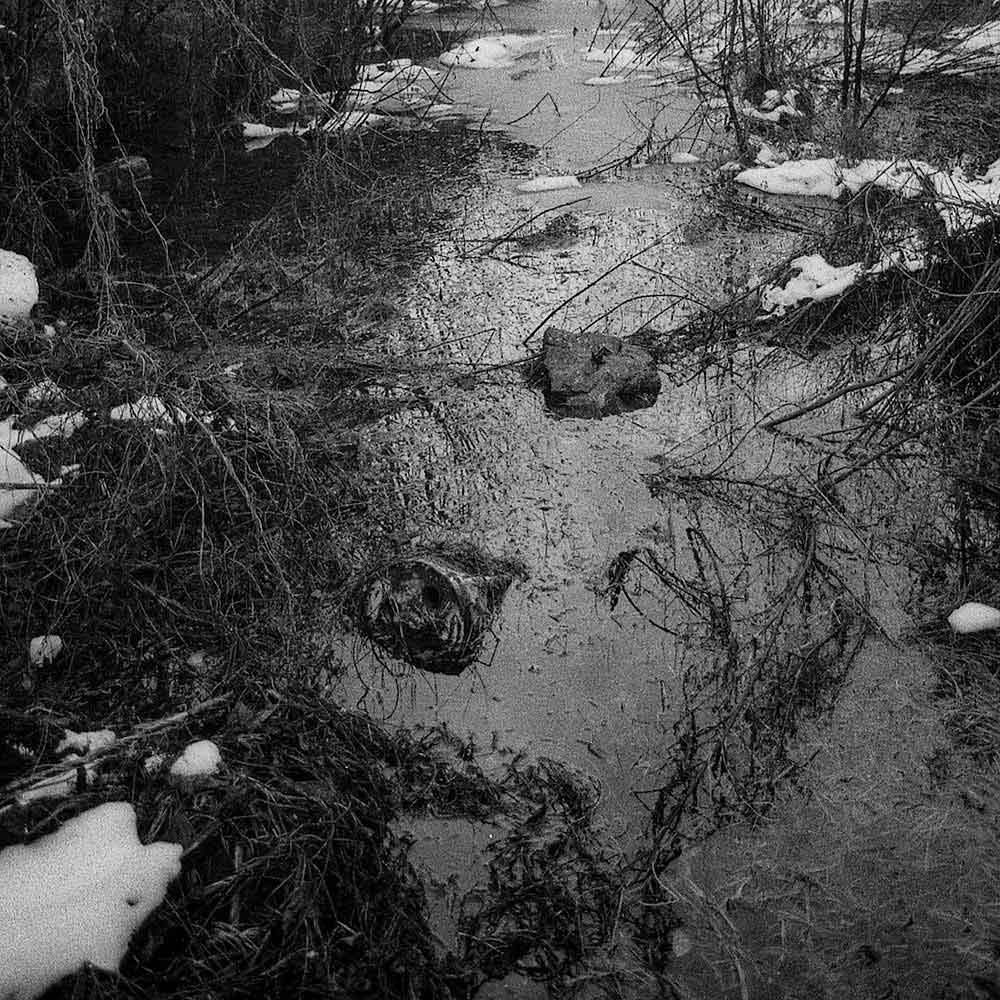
(77, 896)
(18, 286)
(148, 410)
(199, 759)
(961, 203)
(605, 81)
(817, 280)
(492, 51)
(44, 649)
(974, 617)
(86, 743)
(18, 483)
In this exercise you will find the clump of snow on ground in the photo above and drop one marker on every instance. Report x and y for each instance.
(86, 743)
(44, 649)
(18, 285)
(257, 136)
(820, 177)
(974, 617)
(18, 483)
(817, 280)
(961, 203)
(199, 759)
(149, 410)
(77, 896)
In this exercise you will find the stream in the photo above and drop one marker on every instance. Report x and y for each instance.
(568, 676)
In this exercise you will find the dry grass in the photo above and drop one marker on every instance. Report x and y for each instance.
(207, 535)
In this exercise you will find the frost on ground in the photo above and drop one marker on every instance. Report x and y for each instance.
(77, 896)
(961, 203)
(199, 759)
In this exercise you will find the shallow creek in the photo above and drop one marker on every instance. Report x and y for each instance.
(568, 676)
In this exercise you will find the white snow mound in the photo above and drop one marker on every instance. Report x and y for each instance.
(974, 617)
(962, 203)
(18, 285)
(18, 484)
(77, 896)
(820, 178)
(817, 280)
(199, 759)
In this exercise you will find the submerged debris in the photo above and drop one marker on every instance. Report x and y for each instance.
(430, 611)
(595, 375)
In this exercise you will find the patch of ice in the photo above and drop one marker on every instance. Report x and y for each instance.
(198, 759)
(44, 649)
(18, 286)
(86, 743)
(681, 159)
(492, 51)
(538, 184)
(974, 617)
(77, 896)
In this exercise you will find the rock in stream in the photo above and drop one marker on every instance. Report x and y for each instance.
(595, 375)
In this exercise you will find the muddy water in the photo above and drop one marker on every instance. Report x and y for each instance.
(568, 676)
